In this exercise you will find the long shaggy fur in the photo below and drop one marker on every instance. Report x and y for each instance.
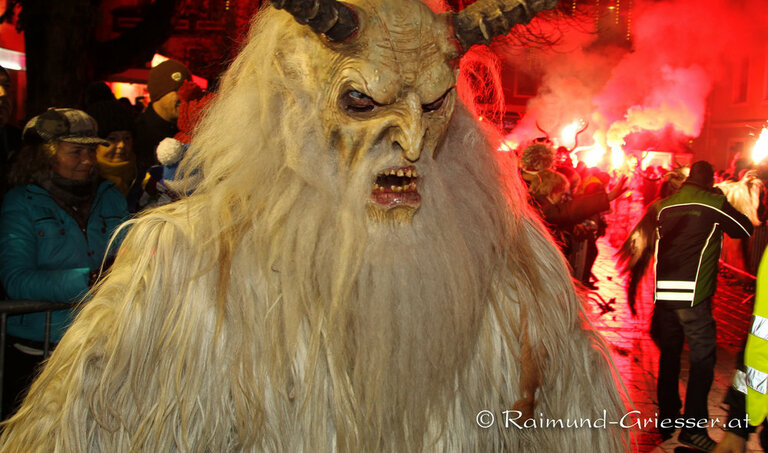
(266, 312)
(636, 253)
(744, 195)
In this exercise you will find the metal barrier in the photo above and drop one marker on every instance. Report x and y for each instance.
(23, 307)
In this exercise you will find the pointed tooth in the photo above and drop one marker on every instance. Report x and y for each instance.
(392, 188)
(409, 173)
(376, 187)
(412, 186)
(400, 173)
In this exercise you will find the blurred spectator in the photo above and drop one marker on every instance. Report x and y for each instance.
(140, 105)
(649, 187)
(54, 229)
(573, 177)
(159, 119)
(161, 187)
(561, 212)
(116, 161)
(720, 176)
(97, 92)
(593, 227)
(535, 158)
(563, 158)
(549, 187)
(126, 103)
(738, 165)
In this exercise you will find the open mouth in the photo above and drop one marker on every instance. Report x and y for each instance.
(397, 187)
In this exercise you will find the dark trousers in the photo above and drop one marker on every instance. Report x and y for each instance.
(20, 371)
(591, 258)
(669, 329)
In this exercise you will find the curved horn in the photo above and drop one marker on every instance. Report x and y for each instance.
(336, 20)
(483, 20)
(538, 126)
(576, 137)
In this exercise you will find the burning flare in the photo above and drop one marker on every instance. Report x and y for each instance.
(760, 151)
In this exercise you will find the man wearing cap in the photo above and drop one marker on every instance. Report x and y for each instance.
(159, 119)
(689, 229)
(55, 226)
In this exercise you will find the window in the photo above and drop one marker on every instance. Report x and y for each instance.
(741, 81)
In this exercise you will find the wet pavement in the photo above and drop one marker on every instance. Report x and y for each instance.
(636, 356)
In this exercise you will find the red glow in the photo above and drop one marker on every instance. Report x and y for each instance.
(654, 95)
(760, 150)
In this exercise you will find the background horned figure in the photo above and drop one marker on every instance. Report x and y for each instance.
(353, 271)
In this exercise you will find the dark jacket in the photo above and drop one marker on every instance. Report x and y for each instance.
(566, 215)
(689, 235)
(151, 129)
(562, 217)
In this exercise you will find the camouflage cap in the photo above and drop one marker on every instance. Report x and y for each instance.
(66, 125)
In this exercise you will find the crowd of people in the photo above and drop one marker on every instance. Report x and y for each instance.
(687, 212)
(71, 177)
(572, 201)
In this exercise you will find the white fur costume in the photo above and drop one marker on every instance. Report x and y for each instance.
(277, 310)
(744, 195)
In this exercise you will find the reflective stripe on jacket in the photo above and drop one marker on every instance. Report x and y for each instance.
(689, 234)
(756, 352)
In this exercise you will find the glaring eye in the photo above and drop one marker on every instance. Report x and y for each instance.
(357, 102)
(432, 106)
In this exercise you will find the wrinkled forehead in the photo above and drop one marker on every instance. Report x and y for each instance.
(403, 46)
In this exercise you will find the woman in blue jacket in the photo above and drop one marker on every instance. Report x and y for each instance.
(55, 227)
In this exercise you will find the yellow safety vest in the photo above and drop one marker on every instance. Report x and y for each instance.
(756, 353)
